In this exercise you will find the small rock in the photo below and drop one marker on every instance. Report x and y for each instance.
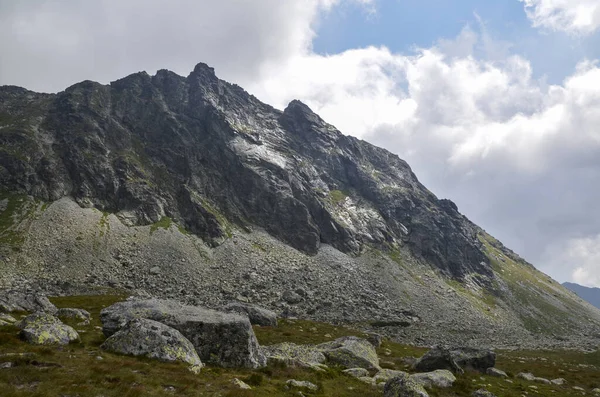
(482, 393)
(596, 391)
(403, 386)
(6, 365)
(441, 378)
(155, 271)
(257, 315)
(496, 373)
(291, 297)
(375, 339)
(240, 384)
(578, 388)
(558, 381)
(526, 375)
(73, 314)
(386, 374)
(541, 380)
(356, 372)
(301, 384)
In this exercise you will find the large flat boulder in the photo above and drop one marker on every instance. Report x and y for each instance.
(15, 301)
(44, 329)
(351, 352)
(456, 360)
(149, 338)
(256, 314)
(223, 339)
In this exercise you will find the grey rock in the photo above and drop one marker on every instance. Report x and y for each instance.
(441, 378)
(558, 381)
(6, 365)
(155, 270)
(482, 393)
(596, 391)
(403, 386)
(293, 355)
(224, 339)
(375, 339)
(526, 376)
(351, 352)
(16, 301)
(541, 380)
(73, 314)
(291, 297)
(301, 384)
(456, 360)
(241, 384)
(386, 374)
(256, 314)
(496, 373)
(7, 318)
(356, 372)
(44, 329)
(143, 337)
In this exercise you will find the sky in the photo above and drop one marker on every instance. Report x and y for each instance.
(495, 104)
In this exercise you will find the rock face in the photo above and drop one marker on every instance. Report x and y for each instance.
(44, 329)
(223, 339)
(143, 337)
(16, 301)
(257, 315)
(456, 360)
(351, 352)
(230, 159)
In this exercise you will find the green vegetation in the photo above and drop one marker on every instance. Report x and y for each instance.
(17, 210)
(104, 224)
(84, 369)
(164, 223)
(337, 196)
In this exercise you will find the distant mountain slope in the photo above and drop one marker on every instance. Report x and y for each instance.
(190, 188)
(592, 295)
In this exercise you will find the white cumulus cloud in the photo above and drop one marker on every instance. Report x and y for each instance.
(572, 16)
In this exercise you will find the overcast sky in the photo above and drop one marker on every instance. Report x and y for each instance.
(494, 103)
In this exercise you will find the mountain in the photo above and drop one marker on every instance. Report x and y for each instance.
(189, 187)
(591, 295)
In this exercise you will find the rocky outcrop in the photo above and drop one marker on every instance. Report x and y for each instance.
(44, 329)
(456, 360)
(223, 339)
(351, 352)
(257, 315)
(143, 337)
(16, 301)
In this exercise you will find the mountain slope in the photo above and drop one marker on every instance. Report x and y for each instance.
(231, 198)
(591, 295)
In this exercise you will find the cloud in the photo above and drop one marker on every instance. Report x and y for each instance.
(585, 252)
(48, 45)
(580, 17)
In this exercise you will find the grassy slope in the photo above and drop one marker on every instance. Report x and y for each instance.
(83, 369)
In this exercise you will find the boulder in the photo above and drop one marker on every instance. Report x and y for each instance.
(14, 301)
(596, 392)
(291, 297)
(456, 360)
(356, 372)
(558, 381)
(45, 329)
(241, 384)
(441, 378)
(386, 374)
(301, 384)
(526, 376)
(351, 352)
(542, 380)
(482, 393)
(496, 373)
(73, 314)
(149, 338)
(256, 314)
(293, 355)
(403, 386)
(223, 339)
(375, 339)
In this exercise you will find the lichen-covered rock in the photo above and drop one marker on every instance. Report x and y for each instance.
(45, 329)
(256, 314)
(223, 339)
(143, 337)
(7, 318)
(403, 386)
(386, 374)
(293, 355)
(15, 301)
(441, 378)
(73, 314)
(351, 352)
(496, 373)
(456, 360)
(356, 372)
(301, 384)
(482, 393)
